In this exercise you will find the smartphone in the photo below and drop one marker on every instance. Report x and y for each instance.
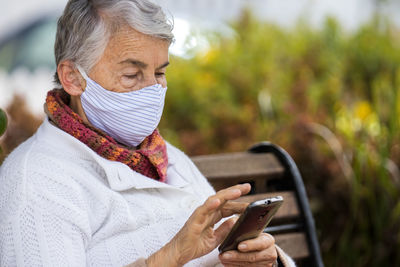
(252, 222)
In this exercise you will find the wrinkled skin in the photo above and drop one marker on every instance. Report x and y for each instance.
(198, 237)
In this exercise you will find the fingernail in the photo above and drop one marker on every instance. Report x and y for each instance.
(227, 256)
(242, 246)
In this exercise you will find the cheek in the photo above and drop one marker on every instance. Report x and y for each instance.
(128, 82)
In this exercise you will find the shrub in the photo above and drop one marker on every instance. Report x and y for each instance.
(329, 97)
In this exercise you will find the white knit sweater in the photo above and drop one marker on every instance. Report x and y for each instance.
(63, 205)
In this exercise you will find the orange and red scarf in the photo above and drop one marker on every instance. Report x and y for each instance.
(150, 158)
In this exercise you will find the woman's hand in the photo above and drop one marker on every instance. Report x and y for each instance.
(198, 237)
(260, 251)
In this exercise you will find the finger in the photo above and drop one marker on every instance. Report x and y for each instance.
(224, 193)
(222, 231)
(232, 193)
(244, 189)
(234, 256)
(227, 206)
(263, 241)
(219, 199)
(205, 210)
(228, 209)
(233, 207)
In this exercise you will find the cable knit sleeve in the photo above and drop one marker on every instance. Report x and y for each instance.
(37, 226)
(35, 236)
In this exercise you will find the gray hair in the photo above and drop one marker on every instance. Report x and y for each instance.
(86, 26)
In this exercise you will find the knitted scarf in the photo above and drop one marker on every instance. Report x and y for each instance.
(149, 159)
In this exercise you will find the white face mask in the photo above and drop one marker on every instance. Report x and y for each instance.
(127, 117)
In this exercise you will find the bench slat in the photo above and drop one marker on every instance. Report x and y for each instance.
(238, 165)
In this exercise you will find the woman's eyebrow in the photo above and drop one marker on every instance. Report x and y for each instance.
(141, 64)
(135, 62)
(163, 65)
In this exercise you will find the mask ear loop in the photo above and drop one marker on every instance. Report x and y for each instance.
(83, 73)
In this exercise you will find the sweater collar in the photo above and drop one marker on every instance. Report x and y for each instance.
(120, 177)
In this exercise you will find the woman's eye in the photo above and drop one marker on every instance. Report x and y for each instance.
(131, 76)
(160, 74)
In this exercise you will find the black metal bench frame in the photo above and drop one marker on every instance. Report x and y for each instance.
(292, 172)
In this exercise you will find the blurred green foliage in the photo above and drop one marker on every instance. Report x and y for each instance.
(329, 97)
(3, 122)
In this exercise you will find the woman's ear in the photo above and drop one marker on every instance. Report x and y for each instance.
(70, 78)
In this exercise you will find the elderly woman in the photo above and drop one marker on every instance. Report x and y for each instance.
(97, 185)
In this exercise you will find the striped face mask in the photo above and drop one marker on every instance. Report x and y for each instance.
(127, 117)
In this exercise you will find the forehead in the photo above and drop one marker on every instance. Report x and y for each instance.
(129, 43)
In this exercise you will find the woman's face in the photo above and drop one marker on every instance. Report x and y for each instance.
(131, 61)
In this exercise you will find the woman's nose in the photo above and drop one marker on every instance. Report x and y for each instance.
(149, 81)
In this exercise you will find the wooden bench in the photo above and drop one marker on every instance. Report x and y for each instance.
(271, 172)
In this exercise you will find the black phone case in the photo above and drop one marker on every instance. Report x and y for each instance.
(250, 224)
